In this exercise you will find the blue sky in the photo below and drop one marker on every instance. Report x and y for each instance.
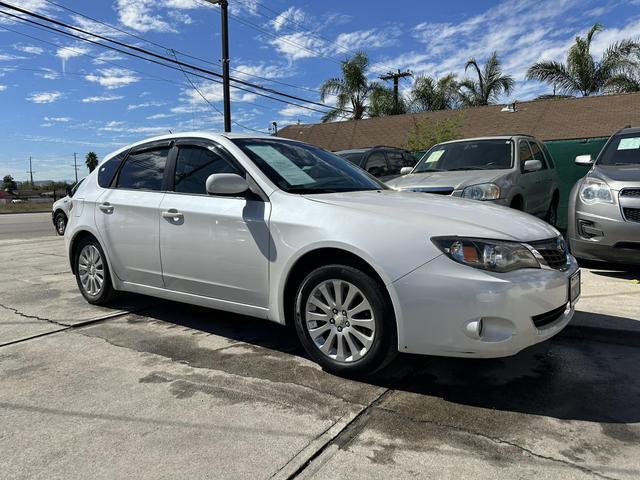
(59, 96)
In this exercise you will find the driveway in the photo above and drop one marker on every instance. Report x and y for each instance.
(156, 389)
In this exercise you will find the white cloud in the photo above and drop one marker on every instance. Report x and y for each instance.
(290, 15)
(77, 50)
(3, 88)
(49, 74)
(144, 105)
(107, 57)
(151, 15)
(103, 98)
(39, 6)
(159, 116)
(29, 49)
(111, 78)
(44, 97)
(367, 39)
(294, 111)
(298, 45)
(7, 57)
(57, 119)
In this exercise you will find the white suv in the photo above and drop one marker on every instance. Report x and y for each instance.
(288, 232)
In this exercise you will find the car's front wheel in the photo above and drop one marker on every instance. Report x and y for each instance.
(345, 321)
(60, 222)
(92, 272)
(552, 214)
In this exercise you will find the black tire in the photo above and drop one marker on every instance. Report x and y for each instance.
(517, 204)
(60, 223)
(384, 344)
(552, 214)
(105, 293)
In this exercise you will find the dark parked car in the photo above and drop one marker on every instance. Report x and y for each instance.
(382, 162)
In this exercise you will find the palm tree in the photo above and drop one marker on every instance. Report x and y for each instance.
(91, 161)
(491, 83)
(430, 94)
(582, 74)
(382, 102)
(352, 90)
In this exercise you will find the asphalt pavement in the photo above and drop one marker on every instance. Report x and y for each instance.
(26, 225)
(155, 389)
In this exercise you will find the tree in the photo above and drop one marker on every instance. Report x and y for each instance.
(352, 90)
(382, 102)
(489, 86)
(584, 75)
(430, 94)
(428, 133)
(91, 161)
(8, 183)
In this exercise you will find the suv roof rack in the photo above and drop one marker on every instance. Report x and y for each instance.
(387, 146)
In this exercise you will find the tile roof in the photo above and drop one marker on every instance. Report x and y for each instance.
(552, 119)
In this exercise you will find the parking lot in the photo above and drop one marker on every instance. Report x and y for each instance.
(156, 389)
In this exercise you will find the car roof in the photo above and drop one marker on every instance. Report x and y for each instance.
(492, 137)
(627, 130)
(366, 149)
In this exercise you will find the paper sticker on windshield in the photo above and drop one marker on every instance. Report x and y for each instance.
(282, 165)
(435, 156)
(629, 143)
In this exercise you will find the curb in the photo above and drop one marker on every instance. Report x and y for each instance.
(628, 338)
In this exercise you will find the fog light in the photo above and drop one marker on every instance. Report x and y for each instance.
(474, 329)
(587, 229)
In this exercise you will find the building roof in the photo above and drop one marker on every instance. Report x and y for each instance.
(551, 119)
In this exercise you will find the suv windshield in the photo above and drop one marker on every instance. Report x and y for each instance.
(622, 150)
(300, 168)
(468, 155)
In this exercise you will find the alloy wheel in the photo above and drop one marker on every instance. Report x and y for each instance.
(91, 270)
(61, 224)
(340, 320)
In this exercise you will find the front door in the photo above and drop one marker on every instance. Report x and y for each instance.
(128, 219)
(213, 246)
(529, 181)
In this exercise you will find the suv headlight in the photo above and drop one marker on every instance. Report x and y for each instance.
(483, 191)
(494, 255)
(595, 191)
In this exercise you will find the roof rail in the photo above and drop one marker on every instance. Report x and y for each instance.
(387, 146)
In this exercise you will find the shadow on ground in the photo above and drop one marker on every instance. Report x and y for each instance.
(566, 378)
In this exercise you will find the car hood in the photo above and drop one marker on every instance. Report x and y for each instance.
(617, 174)
(456, 180)
(441, 215)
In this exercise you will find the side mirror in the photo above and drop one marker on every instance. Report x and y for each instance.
(226, 184)
(585, 160)
(532, 165)
(406, 170)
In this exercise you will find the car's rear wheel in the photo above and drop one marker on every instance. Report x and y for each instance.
(92, 273)
(60, 222)
(552, 214)
(345, 321)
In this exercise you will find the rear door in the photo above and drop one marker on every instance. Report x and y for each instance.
(128, 217)
(213, 246)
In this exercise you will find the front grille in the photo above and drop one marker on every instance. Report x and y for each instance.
(630, 192)
(632, 214)
(553, 251)
(435, 190)
(549, 317)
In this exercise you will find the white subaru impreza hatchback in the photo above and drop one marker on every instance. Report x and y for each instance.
(288, 232)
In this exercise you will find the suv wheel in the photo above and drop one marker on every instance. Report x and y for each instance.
(60, 222)
(552, 214)
(92, 273)
(344, 320)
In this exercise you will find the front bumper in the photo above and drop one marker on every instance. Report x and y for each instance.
(441, 301)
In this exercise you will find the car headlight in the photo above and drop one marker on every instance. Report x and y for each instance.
(492, 255)
(483, 191)
(595, 191)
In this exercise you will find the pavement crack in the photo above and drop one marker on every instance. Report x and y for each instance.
(501, 441)
(34, 317)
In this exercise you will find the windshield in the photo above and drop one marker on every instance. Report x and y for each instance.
(622, 150)
(300, 168)
(468, 155)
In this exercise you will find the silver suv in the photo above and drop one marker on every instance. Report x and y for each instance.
(513, 170)
(604, 206)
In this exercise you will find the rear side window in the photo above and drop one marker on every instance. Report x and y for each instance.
(376, 164)
(193, 167)
(397, 160)
(537, 154)
(525, 152)
(108, 169)
(354, 158)
(144, 170)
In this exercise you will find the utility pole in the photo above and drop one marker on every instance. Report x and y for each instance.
(75, 165)
(31, 172)
(395, 76)
(224, 15)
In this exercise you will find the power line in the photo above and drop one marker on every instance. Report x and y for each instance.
(124, 52)
(146, 52)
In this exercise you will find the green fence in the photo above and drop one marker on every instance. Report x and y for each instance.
(564, 153)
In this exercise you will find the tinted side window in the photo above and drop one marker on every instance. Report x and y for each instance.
(525, 152)
(397, 161)
(548, 156)
(376, 164)
(144, 170)
(355, 158)
(538, 155)
(193, 167)
(108, 169)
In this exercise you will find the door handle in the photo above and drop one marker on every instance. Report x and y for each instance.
(173, 214)
(106, 207)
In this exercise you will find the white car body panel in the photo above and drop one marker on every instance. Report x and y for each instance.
(236, 255)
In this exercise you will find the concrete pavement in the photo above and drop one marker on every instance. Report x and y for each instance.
(155, 389)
